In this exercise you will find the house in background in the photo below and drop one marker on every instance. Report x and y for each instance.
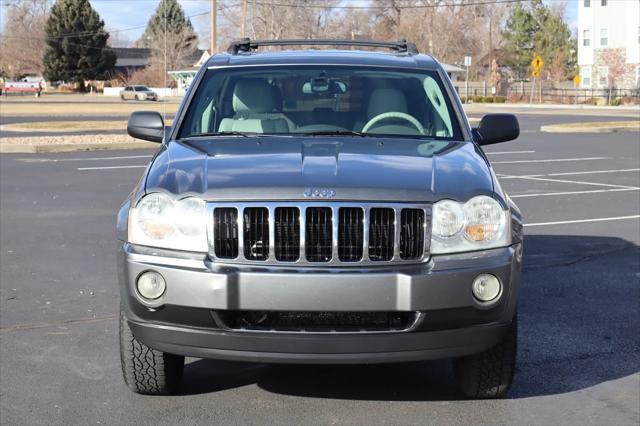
(132, 59)
(608, 32)
(184, 77)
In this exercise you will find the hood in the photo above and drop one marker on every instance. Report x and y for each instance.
(285, 168)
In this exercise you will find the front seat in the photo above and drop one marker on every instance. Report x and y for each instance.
(384, 100)
(254, 106)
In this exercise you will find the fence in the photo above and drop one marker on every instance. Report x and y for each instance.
(545, 92)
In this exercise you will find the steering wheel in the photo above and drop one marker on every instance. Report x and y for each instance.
(389, 115)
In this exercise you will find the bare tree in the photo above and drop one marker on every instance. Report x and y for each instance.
(447, 29)
(22, 42)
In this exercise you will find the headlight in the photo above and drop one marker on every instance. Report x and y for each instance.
(159, 221)
(478, 224)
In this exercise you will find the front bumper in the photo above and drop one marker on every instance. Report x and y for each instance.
(451, 321)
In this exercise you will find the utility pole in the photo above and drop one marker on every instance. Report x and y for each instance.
(244, 18)
(214, 30)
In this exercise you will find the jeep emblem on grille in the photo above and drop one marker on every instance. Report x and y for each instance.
(319, 193)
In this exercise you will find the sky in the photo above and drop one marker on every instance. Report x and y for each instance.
(123, 14)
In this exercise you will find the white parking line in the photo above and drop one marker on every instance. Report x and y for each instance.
(587, 172)
(553, 160)
(579, 182)
(600, 219)
(593, 172)
(56, 160)
(503, 177)
(508, 152)
(595, 191)
(82, 169)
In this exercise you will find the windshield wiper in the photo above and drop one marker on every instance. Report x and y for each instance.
(225, 133)
(336, 133)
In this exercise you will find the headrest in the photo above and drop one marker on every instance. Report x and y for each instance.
(386, 100)
(253, 95)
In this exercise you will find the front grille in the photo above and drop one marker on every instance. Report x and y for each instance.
(303, 321)
(350, 234)
(225, 231)
(256, 233)
(320, 233)
(411, 233)
(381, 233)
(287, 233)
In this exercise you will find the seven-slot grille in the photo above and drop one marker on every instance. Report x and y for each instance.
(316, 233)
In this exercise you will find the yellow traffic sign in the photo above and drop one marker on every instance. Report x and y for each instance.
(535, 72)
(537, 62)
(577, 80)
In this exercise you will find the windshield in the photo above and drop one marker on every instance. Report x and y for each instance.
(321, 100)
(141, 88)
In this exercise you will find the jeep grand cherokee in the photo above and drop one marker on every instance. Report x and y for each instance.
(320, 206)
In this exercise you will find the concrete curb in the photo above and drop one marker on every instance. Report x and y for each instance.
(561, 128)
(51, 148)
(15, 128)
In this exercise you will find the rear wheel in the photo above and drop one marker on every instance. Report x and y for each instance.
(146, 370)
(489, 374)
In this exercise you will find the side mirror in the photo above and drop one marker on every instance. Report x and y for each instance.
(495, 128)
(146, 125)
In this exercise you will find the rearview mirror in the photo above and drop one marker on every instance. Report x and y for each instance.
(495, 128)
(146, 125)
(322, 86)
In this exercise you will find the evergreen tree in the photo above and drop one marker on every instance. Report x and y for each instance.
(538, 30)
(556, 45)
(518, 36)
(170, 35)
(76, 42)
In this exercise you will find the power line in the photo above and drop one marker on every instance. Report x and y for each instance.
(86, 33)
(299, 6)
(414, 6)
(68, 42)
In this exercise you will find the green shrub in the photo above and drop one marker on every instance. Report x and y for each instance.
(477, 99)
(500, 99)
(589, 101)
(488, 100)
(616, 102)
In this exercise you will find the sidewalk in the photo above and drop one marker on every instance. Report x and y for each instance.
(622, 111)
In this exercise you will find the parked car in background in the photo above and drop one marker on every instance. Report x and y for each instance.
(320, 207)
(138, 93)
(22, 87)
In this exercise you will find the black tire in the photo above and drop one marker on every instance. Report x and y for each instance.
(138, 98)
(145, 370)
(123, 98)
(489, 374)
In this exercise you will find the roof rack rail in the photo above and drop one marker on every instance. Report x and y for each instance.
(247, 45)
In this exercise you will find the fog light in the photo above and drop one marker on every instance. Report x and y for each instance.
(151, 285)
(486, 287)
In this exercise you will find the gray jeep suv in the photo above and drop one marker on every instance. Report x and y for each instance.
(320, 206)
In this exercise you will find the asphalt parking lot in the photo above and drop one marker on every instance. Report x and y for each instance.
(579, 350)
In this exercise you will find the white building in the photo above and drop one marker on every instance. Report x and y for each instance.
(608, 42)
